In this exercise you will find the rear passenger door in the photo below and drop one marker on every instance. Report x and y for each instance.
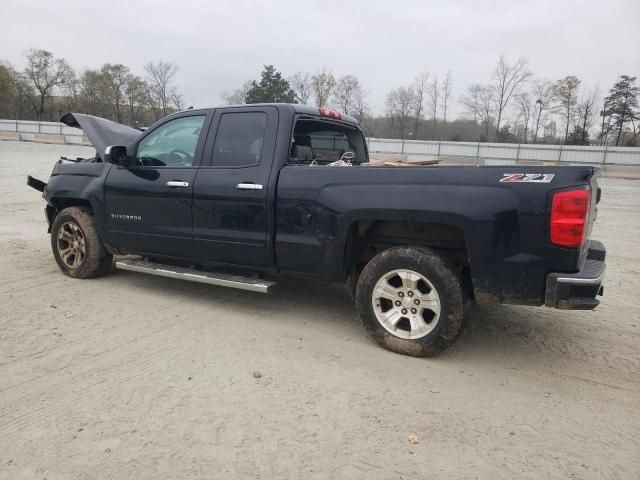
(231, 190)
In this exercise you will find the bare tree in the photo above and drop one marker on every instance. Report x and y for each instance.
(420, 87)
(71, 89)
(550, 129)
(177, 99)
(24, 93)
(44, 74)
(160, 78)
(544, 95)
(471, 101)
(400, 107)
(507, 78)
(134, 94)
(8, 94)
(586, 110)
(486, 103)
(447, 86)
(151, 100)
(239, 95)
(345, 91)
(360, 104)
(92, 91)
(434, 101)
(115, 79)
(525, 109)
(301, 84)
(605, 128)
(566, 94)
(322, 85)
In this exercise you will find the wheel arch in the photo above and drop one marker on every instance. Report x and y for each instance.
(367, 237)
(57, 204)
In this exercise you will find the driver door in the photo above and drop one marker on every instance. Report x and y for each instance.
(148, 206)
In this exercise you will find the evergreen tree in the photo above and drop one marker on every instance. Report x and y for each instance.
(271, 88)
(579, 136)
(622, 103)
(505, 135)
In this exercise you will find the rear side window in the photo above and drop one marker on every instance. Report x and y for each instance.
(239, 139)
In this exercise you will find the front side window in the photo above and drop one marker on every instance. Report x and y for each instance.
(239, 139)
(172, 144)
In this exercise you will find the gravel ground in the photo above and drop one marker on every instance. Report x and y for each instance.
(132, 376)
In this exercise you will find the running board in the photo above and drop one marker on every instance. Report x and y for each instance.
(219, 279)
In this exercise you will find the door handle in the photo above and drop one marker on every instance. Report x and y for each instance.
(177, 183)
(249, 186)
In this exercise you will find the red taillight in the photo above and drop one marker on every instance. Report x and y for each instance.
(569, 214)
(325, 112)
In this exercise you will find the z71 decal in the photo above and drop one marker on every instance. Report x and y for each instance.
(527, 177)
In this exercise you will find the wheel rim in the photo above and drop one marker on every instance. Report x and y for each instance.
(406, 304)
(71, 245)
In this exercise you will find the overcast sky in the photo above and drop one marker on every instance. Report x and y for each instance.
(220, 44)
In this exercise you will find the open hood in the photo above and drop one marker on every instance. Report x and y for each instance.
(100, 131)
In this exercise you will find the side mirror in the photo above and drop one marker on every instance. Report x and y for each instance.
(117, 154)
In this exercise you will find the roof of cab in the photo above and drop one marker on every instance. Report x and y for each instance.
(294, 107)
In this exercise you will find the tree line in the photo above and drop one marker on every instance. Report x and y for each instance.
(48, 86)
(511, 106)
(560, 111)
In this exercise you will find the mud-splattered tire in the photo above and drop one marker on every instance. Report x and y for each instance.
(76, 246)
(351, 285)
(410, 300)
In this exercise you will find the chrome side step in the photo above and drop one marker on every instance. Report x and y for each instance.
(219, 279)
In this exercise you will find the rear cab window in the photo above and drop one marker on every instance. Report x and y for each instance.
(323, 142)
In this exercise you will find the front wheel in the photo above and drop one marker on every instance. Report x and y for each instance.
(76, 246)
(410, 300)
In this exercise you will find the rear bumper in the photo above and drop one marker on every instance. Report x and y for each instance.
(578, 291)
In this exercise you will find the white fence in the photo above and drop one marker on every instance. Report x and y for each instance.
(506, 153)
(481, 153)
(29, 129)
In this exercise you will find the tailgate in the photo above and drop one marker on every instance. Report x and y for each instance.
(596, 193)
(594, 199)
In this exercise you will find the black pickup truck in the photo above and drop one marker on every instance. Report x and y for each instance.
(244, 196)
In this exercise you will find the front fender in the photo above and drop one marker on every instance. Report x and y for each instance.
(77, 184)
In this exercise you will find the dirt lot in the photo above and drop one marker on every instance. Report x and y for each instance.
(131, 376)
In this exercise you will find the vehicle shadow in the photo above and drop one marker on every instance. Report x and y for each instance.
(301, 303)
(512, 334)
(518, 336)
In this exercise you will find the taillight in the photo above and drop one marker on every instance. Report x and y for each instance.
(325, 112)
(569, 215)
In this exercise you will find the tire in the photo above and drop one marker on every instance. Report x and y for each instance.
(421, 280)
(74, 229)
(351, 285)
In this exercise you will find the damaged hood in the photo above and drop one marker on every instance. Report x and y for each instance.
(101, 132)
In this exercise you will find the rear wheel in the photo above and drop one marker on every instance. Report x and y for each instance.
(410, 300)
(76, 246)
